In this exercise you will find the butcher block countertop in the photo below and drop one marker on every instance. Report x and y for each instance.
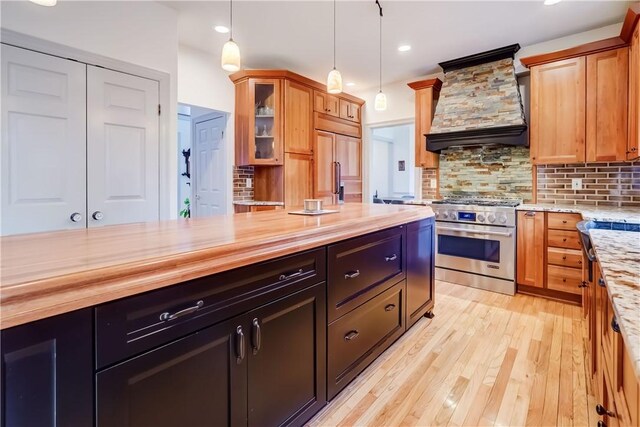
(46, 274)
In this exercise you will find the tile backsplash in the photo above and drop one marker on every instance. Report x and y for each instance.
(429, 192)
(240, 189)
(603, 184)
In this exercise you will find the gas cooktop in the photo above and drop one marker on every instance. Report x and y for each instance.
(510, 203)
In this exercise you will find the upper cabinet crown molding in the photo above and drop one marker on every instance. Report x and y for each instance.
(630, 20)
(436, 84)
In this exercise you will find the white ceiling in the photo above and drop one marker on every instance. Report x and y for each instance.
(297, 35)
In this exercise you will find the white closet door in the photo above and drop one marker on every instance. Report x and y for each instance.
(209, 157)
(122, 148)
(43, 142)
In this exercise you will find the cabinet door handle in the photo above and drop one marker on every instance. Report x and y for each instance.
(352, 275)
(601, 410)
(391, 258)
(166, 316)
(564, 221)
(336, 179)
(390, 307)
(285, 276)
(583, 284)
(256, 336)
(339, 178)
(601, 282)
(614, 325)
(564, 240)
(239, 345)
(530, 214)
(564, 257)
(351, 335)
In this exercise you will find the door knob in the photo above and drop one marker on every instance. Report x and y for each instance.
(97, 215)
(76, 217)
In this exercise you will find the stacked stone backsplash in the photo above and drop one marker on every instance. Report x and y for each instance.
(240, 190)
(487, 171)
(603, 184)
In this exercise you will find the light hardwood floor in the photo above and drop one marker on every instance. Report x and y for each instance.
(485, 359)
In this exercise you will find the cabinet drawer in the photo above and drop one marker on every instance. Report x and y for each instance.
(564, 279)
(136, 324)
(357, 338)
(360, 268)
(563, 239)
(565, 257)
(563, 221)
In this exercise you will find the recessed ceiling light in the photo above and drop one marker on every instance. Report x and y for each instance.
(404, 48)
(551, 2)
(351, 84)
(221, 29)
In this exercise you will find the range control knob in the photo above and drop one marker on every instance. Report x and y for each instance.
(437, 214)
(445, 214)
(453, 215)
(480, 218)
(502, 219)
(491, 218)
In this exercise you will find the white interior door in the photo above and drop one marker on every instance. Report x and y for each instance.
(122, 148)
(209, 156)
(43, 142)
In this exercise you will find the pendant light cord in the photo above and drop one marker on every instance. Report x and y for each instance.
(230, 19)
(380, 7)
(334, 34)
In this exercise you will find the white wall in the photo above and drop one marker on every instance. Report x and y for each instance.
(202, 82)
(143, 33)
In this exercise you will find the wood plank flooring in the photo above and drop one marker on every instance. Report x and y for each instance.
(485, 359)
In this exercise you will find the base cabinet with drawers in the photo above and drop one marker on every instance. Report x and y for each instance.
(266, 344)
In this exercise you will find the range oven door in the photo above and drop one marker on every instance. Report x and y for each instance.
(477, 249)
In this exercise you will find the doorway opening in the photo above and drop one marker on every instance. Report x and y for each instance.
(393, 169)
(202, 168)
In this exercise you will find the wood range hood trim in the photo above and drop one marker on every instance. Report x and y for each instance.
(515, 135)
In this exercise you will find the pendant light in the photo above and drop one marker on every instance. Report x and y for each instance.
(334, 79)
(230, 59)
(48, 3)
(380, 102)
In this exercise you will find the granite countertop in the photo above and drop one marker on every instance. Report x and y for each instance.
(618, 253)
(257, 203)
(592, 213)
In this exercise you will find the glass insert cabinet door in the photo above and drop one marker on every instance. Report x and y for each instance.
(265, 124)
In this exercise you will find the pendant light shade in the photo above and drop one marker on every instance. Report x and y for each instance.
(230, 56)
(380, 103)
(45, 2)
(334, 81)
(230, 59)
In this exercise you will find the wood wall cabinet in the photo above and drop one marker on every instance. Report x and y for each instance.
(338, 162)
(530, 248)
(324, 172)
(326, 103)
(298, 178)
(549, 256)
(349, 111)
(633, 146)
(427, 93)
(607, 94)
(558, 103)
(298, 118)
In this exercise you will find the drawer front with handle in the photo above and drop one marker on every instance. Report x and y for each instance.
(362, 267)
(564, 279)
(356, 339)
(564, 239)
(133, 325)
(563, 221)
(565, 257)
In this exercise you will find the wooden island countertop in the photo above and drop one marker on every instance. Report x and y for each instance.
(47, 274)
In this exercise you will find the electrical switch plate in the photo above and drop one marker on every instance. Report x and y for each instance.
(576, 183)
(434, 183)
(249, 182)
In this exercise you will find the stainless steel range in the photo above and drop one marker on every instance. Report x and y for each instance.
(475, 242)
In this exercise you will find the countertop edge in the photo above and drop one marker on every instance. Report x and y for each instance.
(31, 301)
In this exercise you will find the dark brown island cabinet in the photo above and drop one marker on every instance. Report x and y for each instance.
(264, 345)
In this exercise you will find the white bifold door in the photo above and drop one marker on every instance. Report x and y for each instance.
(80, 145)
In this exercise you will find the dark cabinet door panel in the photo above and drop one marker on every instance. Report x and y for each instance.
(360, 268)
(47, 372)
(287, 361)
(199, 380)
(420, 269)
(357, 338)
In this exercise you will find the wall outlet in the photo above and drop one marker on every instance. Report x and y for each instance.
(434, 183)
(576, 183)
(249, 183)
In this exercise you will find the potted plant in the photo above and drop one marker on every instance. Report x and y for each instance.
(186, 212)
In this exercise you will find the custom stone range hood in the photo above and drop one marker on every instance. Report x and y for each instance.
(480, 103)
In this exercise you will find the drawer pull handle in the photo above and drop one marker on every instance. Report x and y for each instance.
(391, 258)
(166, 316)
(601, 282)
(352, 335)
(530, 214)
(564, 221)
(390, 307)
(239, 345)
(256, 336)
(614, 325)
(286, 276)
(564, 257)
(564, 279)
(352, 275)
(601, 410)
(564, 240)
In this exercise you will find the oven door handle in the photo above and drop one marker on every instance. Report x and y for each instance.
(490, 233)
